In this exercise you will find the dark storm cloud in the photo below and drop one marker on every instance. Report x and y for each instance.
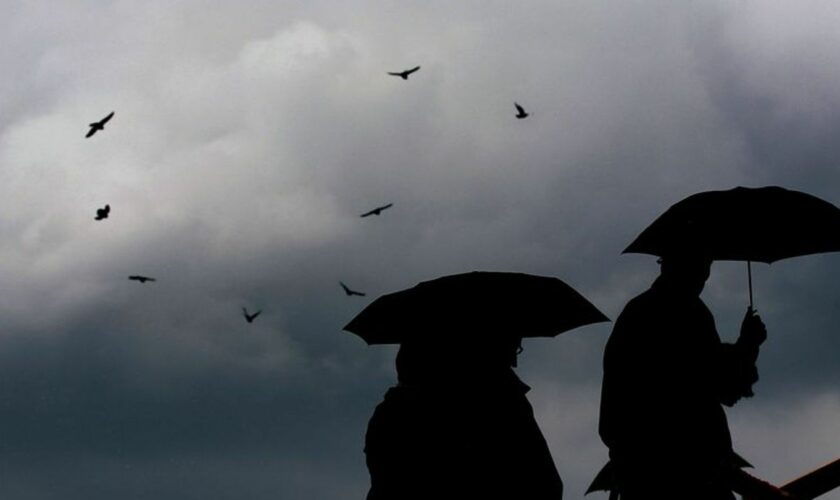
(90, 395)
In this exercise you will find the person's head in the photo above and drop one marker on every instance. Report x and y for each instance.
(685, 272)
(421, 361)
(506, 350)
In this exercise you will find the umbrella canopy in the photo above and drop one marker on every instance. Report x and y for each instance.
(753, 224)
(473, 306)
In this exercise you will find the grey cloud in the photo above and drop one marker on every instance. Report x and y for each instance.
(248, 139)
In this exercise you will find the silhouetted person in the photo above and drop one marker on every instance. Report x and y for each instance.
(520, 111)
(102, 213)
(667, 376)
(141, 279)
(404, 74)
(377, 210)
(458, 426)
(350, 292)
(100, 125)
(250, 317)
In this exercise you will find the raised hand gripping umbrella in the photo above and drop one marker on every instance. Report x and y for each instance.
(763, 224)
(475, 305)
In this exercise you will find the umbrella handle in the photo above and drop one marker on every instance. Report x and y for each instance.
(749, 280)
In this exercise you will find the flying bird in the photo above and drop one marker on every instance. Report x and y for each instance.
(141, 279)
(350, 292)
(100, 125)
(404, 74)
(102, 213)
(377, 210)
(250, 317)
(520, 111)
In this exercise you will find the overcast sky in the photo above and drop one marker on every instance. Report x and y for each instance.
(249, 136)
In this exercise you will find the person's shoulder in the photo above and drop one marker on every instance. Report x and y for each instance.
(397, 405)
(395, 396)
(640, 303)
(638, 322)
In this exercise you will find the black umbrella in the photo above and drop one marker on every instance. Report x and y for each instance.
(753, 224)
(475, 305)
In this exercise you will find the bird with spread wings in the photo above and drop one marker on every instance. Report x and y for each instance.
(350, 292)
(250, 317)
(404, 74)
(377, 210)
(102, 213)
(100, 125)
(141, 279)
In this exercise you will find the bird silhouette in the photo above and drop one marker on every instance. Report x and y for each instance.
(520, 111)
(141, 279)
(100, 125)
(350, 292)
(102, 213)
(404, 74)
(377, 210)
(250, 317)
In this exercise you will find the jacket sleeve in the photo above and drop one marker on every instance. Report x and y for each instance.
(737, 372)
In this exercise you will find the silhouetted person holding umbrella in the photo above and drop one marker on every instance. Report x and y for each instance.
(667, 376)
(458, 426)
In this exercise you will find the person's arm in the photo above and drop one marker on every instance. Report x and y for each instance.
(738, 370)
